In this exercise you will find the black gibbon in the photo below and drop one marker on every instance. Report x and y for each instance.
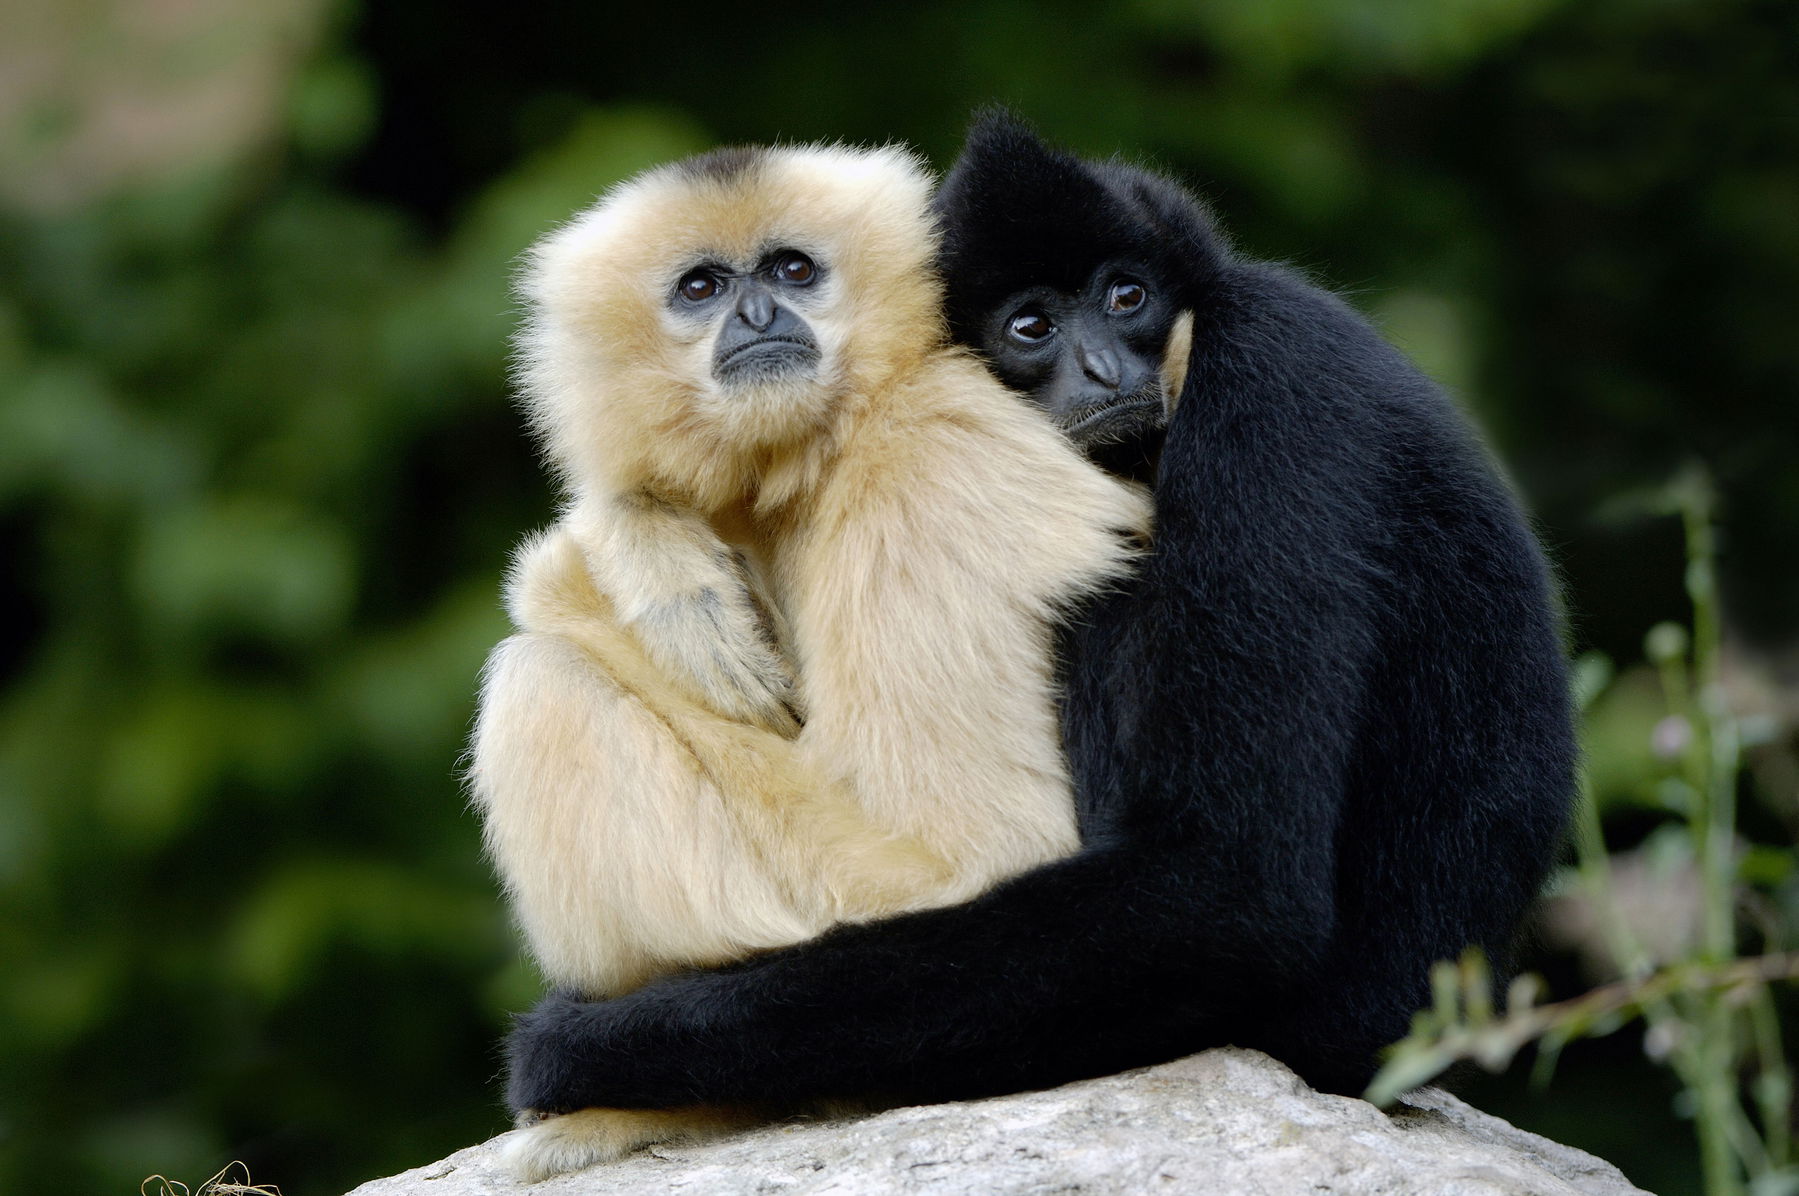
(1321, 740)
(787, 493)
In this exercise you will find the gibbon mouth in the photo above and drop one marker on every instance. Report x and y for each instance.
(767, 350)
(1114, 421)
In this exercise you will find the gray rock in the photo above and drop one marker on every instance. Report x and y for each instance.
(1231, 1122)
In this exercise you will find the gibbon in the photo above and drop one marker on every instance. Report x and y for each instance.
(1320, 739)
(784, 660)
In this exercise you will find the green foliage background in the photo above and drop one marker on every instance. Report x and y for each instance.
(259, 474)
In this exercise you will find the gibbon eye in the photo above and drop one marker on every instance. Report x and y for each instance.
(795, 268)
(696, 286)
(1030, 326)
(1125, 295)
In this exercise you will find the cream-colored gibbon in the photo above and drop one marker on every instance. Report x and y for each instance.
(785, 659)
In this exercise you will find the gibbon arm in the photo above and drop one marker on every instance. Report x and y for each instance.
(925, 589)
(637, 830)
(690, 602)
(1320, 742)
(1204, 887)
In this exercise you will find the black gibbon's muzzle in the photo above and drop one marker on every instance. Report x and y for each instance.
(1119, 418)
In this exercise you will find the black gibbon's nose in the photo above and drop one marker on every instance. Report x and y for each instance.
(1101, 365)
(756, 307)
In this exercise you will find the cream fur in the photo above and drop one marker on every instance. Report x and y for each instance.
(1175, 356)
(589, 1136)
(911, 528)
(693, 606)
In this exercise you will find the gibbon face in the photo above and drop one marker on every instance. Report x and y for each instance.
(705, 315)
(752, 313)
(1091, 357)
(1059, 274)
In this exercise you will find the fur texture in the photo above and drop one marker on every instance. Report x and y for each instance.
(1320, 741)
(911, 531)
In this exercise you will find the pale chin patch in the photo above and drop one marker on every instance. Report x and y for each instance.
(767, 411)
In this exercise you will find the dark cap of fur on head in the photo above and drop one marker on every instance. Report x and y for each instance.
(1018, 212)
(726, 164)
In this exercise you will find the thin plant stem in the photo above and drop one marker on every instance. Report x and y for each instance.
(1774, 1081)
(1712, 773)
(1711, 1014)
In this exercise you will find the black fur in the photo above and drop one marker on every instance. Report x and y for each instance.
(1323, 740)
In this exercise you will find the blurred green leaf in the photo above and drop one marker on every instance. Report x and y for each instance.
(1410, 37)
(294, 917)
(1618, 739)
(334, 107)
(246, 563)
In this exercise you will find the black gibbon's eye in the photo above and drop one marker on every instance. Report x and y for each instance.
(1030, 326)
(1125, 295)
(795, 268)
(696, 286)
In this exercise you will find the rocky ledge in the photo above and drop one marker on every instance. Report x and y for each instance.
(1226, 1121)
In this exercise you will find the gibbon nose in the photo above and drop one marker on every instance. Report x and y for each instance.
(1101, 365)
(756, 307)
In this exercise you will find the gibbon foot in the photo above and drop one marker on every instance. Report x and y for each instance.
(551, 1144)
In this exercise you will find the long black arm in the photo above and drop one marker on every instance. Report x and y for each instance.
(1320, 742)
